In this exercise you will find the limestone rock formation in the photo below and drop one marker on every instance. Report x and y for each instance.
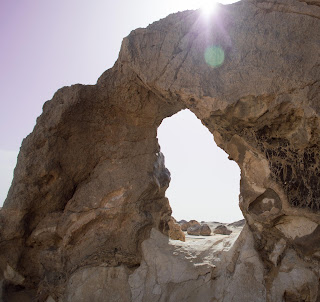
(222, 229)
(90, 181)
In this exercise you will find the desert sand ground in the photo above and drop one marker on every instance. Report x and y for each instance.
(210, 247)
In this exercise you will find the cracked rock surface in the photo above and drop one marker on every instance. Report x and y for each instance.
(88, 194)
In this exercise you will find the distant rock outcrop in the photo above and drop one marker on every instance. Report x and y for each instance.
(239, 223)
(86, 217)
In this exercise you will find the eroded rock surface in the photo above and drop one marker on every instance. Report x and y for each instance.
(90, 180)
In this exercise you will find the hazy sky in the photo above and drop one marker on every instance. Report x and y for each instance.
(49, 44)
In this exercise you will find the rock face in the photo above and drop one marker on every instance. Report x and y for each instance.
(90, 181)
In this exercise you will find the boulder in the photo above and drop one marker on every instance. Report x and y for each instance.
(222, 230)
(182, 221)
(193, 222)
(175, 231)
(194, 230)
(184, 225)
(205, 230)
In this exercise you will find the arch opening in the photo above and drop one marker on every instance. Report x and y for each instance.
(205, 184)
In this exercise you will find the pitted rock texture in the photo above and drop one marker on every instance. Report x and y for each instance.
(90, 180)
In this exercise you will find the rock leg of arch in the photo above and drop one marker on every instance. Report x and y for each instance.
(86, 212)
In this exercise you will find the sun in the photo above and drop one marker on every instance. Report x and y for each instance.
(208, 7)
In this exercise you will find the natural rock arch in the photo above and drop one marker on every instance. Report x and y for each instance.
(90, 182)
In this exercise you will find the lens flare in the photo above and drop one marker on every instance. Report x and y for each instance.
(214, 56)
(208, 7)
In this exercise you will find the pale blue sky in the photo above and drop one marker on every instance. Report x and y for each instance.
(49, 44)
